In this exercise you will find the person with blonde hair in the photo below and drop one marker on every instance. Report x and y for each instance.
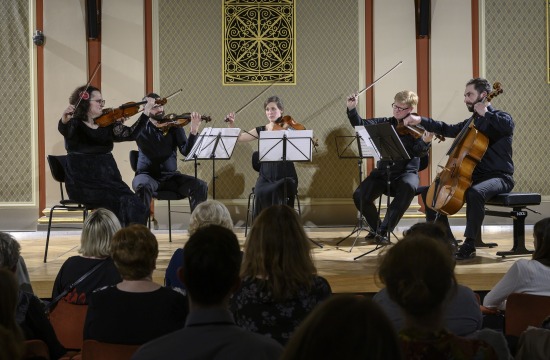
(403, 174)
(209, 212)
(137, 309)
(280, 285)
(95, 241)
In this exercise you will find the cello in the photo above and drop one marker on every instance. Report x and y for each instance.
(446, 194)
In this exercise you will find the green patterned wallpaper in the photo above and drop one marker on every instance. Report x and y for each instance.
(515, 36)
(16, 179)
(190, 53)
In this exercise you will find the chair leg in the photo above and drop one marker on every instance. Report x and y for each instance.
(248, 213)
(48, 235)
(169, 222)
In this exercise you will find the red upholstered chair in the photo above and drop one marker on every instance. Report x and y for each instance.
(36, 349)
(95, 350)
(68, 322)
(523, 310)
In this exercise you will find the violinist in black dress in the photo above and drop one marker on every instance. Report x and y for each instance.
(157, 167)
(92, 175)
(276, 178)
(403, 173)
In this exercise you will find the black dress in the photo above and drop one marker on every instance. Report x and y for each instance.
(270, 186)
(92, 176)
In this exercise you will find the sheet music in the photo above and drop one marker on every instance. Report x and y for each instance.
(367, 146)
(204, 146)
(298, 146)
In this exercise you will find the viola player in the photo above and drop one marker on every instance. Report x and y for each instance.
(157, 167)
(403, 174)
(493, 174)
(270, 186)
(92, 175)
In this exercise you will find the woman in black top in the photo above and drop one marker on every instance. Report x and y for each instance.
(270, 186)
(92, 175)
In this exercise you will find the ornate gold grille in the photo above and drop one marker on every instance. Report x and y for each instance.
(259, 43)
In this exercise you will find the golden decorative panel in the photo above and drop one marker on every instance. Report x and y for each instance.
(16, 131)
(259, 43)
(516, 52)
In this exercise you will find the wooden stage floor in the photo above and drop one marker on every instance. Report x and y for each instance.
(336, 264)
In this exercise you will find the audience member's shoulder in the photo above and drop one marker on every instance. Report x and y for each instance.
(321, 283)
(258, 346)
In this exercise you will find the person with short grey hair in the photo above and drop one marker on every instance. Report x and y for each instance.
(10, 257)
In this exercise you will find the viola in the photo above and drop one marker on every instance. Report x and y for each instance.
(415, 131)
(446, 194)
(173, 120)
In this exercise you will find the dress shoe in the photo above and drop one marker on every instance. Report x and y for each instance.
(466, 251)
(370, 239)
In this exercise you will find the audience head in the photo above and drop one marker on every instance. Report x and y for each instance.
(433, 230)
(344, 327)
(97, 232)
(10, 251)
(11, 337)
(210, 212)
(211, 264)
(134, 250)
(278, 250)
(418, 273)
(541, 234)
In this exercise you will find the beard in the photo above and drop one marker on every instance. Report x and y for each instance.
(158, 116)
(470, 106)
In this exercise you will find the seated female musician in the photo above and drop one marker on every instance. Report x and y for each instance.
(92, 176)
(270, 186)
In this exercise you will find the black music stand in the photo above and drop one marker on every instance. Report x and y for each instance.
(365, 149)
(214, 144)
(295, 146)
(385, 139)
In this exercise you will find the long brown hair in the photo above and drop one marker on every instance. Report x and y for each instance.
(278, 251)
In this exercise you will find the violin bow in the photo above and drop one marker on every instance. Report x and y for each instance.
(88, 84)
(255, 97)
(380, 78)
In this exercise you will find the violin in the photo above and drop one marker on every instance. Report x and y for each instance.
(173, 120)
(288, 123)
(415, 131)
(123, 112)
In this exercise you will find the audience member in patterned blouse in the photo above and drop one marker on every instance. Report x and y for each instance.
(345, 327)
(137, 309)
(418, 272)
(280, 286)
(95, 242)
(526, 276)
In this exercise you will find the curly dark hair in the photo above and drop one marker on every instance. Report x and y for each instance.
(84, 92)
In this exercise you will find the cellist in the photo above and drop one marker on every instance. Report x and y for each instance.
(493, 174)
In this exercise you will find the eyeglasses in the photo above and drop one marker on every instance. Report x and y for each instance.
(395, 107)
(101, 102)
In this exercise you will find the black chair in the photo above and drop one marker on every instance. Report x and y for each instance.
(57, 167)
(160, 195)
(251, 196)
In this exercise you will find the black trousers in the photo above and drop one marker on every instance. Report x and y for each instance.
(188, 186)
(402, 188)
(476, 197)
